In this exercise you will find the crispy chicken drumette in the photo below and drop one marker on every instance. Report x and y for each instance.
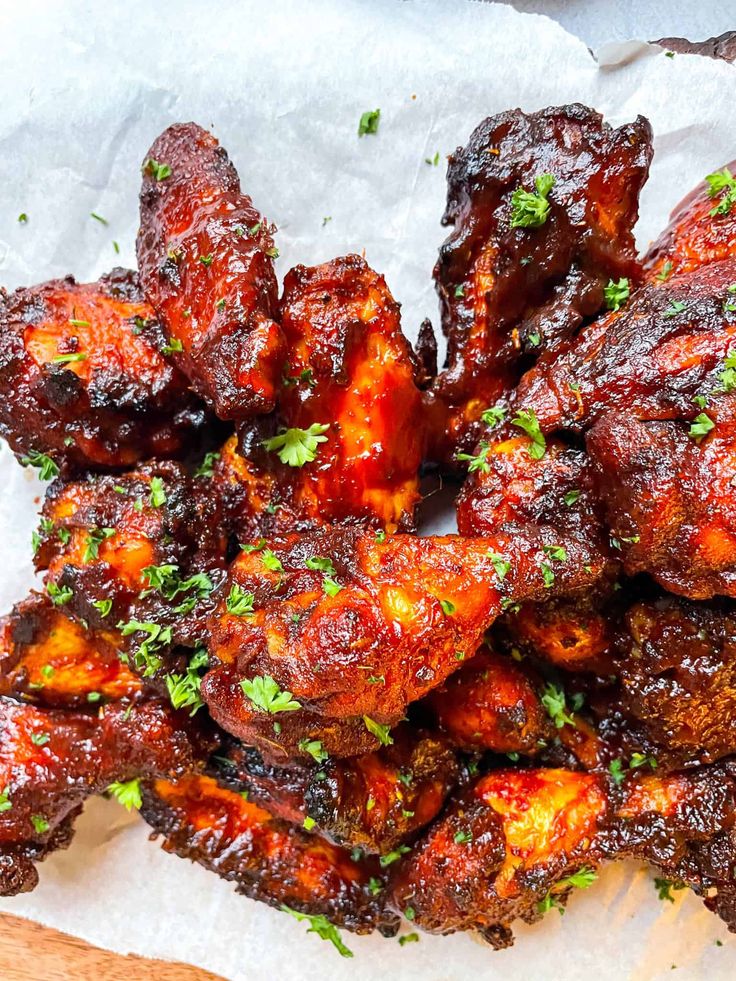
(337, 632)
(84, 378)
(542, 208)
(51, 761)
(206, 264)
(268, 859)
(348, 438)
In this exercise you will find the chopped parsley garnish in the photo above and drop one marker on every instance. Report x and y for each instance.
(616, 769)
(382, 733)
(207, 466)
(266, 695)
(239, 603)
(369, 122)
(554, 700)
(477, 462)
(727, 377)
(527, 421)
(557, 553)
(271, 561)
(145, 657)
(314, 748)
(40, 738)
(321, 564)
(723, 183)
(47, 469)
(102, 221)
(59, 595)
(409, 938)
(5, 802)
(165, 579)
(459, 292)
(433, 161)
(571, 497)
(157, 497)
(103, 606)
(664, 888)
(493, 416)
(393, 856)
(258, 547)
(309, 823)
(501, 566)
(172, 346)
(700, 427)
(448, 607)
(463, 837)
(640, 759)
(530, 209)
(40, 824)
(322, 927)
(69, 358)
(22, 218)
(330, 586)
(616, 294)
(159, 171)
(548, 575)
(127, 794)
(582, 879)
(295, 447)
(674, 308)
(95, 538)
(184, 688)
(664, 274)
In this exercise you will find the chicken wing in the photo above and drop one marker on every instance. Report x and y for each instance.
(52, 761)
(375, 803)
(206, 264)
(50, 660)
(347, 441)
(518, 842)
(338, 631)
(85, 381)
(267, 858)
(542, 207)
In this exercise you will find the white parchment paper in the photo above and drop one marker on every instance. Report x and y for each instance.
(85, 89)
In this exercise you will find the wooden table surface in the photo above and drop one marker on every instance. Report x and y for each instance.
(29, 952)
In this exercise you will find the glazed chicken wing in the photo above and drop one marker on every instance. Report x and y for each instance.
(52, 761)
(206, 264)
(375, 802)
(50, 660)
(347, 441)
(542, 208)
(267, 858)
(518, 842)
(84, 378)
(338, 631)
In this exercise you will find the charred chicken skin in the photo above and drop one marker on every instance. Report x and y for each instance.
(375, 802)
(519, 841)
(51, 660)
(339, 631)
(542, 208)
(347, 441)
(205, 257)
(268, 859)
(86, 383)
(52, 761)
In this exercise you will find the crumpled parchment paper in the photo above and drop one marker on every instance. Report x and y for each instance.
(85, 89)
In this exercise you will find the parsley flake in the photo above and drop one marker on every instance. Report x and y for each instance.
(295, 447)
(127, 794)
(369, 122)
(527, 421)
(322, 927)
(616, 294)
(530, 209)
(266, 695)
(381, 732)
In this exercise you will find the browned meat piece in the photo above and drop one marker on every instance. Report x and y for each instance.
(347, 441)
(542, 208)
(375, 802)
(206, 264)
(84, 378)
(50, 660)
(132, 549)
(678, 679)
(52, 761)
(518, 842)
(338, 631)
(268, 859)
(492, 703)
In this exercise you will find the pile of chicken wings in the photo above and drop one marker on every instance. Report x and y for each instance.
(242, 632)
